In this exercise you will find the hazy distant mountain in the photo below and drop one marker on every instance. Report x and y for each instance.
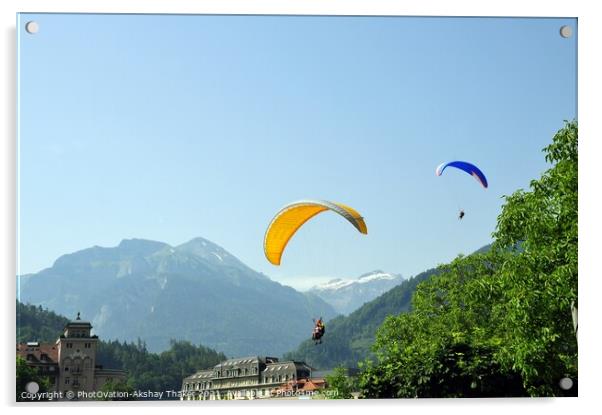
(196, 291)
(347, 295)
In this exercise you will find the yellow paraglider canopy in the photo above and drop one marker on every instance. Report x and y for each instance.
(294, 215)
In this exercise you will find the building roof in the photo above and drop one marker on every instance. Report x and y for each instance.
(278, 366)
(201, 374)
(37, 350)
(301, 385)
(313, 384)
(78, 322)
(239, 361)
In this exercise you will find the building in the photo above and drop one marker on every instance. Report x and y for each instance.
(70, 362)
(43, 357)
(252, 377)
(299, 388)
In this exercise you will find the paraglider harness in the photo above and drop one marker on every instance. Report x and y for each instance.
(319, 330)
(461, 214)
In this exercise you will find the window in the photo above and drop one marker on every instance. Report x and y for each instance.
(66, 381)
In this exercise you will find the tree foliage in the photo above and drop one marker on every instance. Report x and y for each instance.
(496, 323)
(339, 384)
(157, 371)
(540, 283)
(27, 374)
(123, 390)
(35, 323)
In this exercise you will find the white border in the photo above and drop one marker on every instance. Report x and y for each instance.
(589, 211)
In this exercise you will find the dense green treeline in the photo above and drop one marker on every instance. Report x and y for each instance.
(36, 324)
(497, 323)
(157, 371)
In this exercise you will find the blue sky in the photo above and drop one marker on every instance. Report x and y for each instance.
(172, 127)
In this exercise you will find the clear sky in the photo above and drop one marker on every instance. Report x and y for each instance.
(173, 127)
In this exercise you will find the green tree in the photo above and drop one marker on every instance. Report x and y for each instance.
(339, 384)
(27, 374)
(540, 282)
(122, 391)
(445, 346)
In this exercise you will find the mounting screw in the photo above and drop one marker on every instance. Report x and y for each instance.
(566, 31)
(32, 27)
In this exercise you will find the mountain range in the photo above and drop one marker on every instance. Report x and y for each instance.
(199, 292)
(196, 291)
(347, 295)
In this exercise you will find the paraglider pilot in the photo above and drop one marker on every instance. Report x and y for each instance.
(461, 214)
(318, 332)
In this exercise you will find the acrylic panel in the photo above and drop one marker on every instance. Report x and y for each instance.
(217, 207)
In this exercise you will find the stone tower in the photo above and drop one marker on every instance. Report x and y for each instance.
(76, 356)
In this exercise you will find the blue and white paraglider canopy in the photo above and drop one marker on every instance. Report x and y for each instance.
(469, 168)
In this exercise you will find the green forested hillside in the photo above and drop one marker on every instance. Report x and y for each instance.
(348, 339)
(36, 324)
(146, 371)
(157, 371)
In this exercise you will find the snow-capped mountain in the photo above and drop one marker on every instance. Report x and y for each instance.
(347, 295)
